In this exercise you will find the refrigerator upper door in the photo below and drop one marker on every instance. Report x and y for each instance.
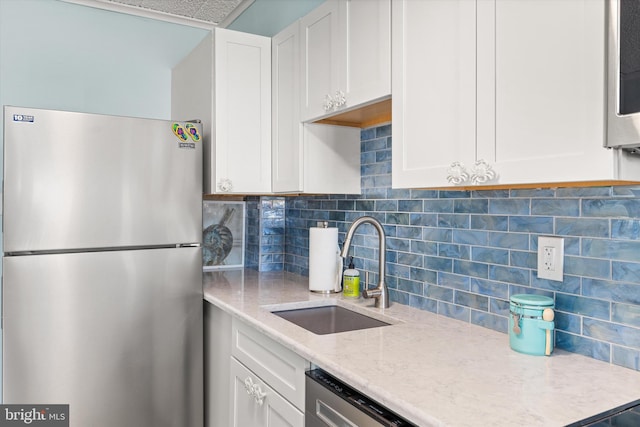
(77, 181)
(117, 335)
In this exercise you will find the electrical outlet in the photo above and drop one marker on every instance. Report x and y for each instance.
(550, 258)
(548, 254)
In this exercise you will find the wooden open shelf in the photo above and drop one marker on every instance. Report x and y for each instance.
(362, 117)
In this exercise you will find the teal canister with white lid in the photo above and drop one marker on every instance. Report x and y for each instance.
(531, 324)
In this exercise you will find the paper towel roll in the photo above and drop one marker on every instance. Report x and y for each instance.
(324, 260)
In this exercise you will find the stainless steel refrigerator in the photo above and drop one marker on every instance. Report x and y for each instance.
(102, 267)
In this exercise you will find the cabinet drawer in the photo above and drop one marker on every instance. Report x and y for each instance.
(278, 366)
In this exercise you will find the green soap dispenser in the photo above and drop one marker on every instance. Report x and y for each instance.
(351, 282)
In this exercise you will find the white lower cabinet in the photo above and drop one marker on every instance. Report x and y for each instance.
(217, 354)
(267, 380)
(279, 367)
(250, 380)
(255, 404)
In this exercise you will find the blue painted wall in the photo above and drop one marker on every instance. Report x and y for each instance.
(268, 17)
(59, 55)
(64, 56)
(462, 254)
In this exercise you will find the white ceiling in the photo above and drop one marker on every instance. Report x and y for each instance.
(214, 11)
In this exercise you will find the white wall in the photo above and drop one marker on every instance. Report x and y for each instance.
(65, 56)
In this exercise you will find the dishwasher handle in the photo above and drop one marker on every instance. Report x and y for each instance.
(330, 416)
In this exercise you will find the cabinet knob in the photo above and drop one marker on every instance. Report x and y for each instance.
(225, 185)
(258, 394)
(482, 173)
(248, 385)
(328, 103)
(339, 99)
(254, 389)
(457, 174)
(332, 103)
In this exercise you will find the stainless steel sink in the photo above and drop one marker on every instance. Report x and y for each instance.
(329, 319)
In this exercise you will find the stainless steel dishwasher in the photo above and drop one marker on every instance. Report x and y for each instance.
(330, 402)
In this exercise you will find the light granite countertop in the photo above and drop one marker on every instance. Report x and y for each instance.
(432, 370)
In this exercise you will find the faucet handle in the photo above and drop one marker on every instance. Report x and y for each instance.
(379, 294)
(372, 293)
(369, 293)
(366, 281)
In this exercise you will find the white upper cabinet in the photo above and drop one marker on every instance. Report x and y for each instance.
(345, 56)
(365, 37)
(500, 92)
(306, 158)
(226, 83)
(434, 85)
(541, 81)
(320, 59)
(286, 134)
(242, 70)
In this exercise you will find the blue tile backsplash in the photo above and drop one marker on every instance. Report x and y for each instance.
(265, 242)
(462, 254)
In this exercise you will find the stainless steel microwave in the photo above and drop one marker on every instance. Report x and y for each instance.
(623, 121)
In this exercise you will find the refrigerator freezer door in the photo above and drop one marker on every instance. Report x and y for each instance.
(101, 181)
(116, 335)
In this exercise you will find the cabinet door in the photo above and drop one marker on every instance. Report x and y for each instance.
(541, 90)
(365, 36)
(247, 410)
(242, 72)
(434, 86)
(320, 58)
(286, 141)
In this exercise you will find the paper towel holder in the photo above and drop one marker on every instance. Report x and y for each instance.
(337, 279)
